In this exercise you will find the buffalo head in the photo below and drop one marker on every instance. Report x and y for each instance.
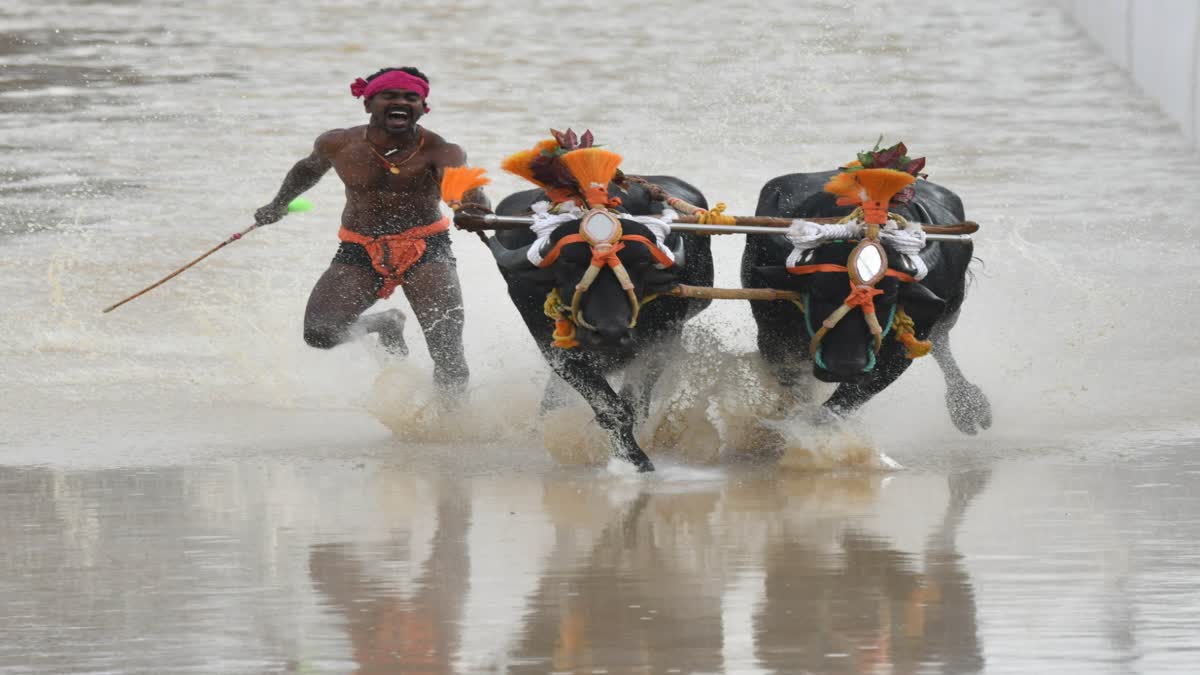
(596, 272)
(851, 295)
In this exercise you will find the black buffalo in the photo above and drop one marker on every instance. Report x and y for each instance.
(607, 343)
(847, 353)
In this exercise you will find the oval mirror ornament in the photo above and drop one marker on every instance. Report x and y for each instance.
(868, 263)
(600, 226)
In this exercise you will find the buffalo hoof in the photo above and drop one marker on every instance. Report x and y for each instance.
(825, 416)
(969, 408)
(639, 460)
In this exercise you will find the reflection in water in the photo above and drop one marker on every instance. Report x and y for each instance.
(337, 568)
(759, 573)
(870, 606)
(392, 631)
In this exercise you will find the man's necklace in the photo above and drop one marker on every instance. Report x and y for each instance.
(394, 167)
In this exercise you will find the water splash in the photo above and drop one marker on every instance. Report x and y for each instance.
(405, 400)
(711, 408)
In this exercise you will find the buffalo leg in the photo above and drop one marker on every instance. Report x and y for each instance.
(556, 394)
(638, 388)
(968, 406)
(613, 413)
(782, 347)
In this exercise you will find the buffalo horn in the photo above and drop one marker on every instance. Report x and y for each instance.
(510, 258)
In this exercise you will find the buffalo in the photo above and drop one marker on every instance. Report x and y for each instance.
(591, 309)
(849, 353)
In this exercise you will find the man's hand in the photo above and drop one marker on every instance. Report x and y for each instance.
(475, 210)
(470, 212)
(271, 213)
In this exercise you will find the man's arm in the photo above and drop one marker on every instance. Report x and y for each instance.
(305, 174)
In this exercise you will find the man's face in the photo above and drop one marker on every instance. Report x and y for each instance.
(396, 110)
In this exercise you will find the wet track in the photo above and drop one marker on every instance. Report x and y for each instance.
(185, 487)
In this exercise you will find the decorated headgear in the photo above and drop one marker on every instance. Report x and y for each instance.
(877, 179)
(392, 79)
(568, 168)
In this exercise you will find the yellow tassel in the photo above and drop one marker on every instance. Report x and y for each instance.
(459, 180)
(564, 328)
(904, 327)
(716, 216)
(913, 347)
(594, 168)
(564, 334)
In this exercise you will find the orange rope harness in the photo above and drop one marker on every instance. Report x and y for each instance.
(603, 255)
(606, 254)
(863, 296)
(659, 256)
(826, 267)
(860, 296)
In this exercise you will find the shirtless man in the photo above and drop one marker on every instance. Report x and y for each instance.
(393, 231)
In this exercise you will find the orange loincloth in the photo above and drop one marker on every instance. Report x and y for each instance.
(394, 254)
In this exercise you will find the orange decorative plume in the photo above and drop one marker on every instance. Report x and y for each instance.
(527, 163)
(518, 165)
(594, 168)
(872, 189)
(521, 163)
(459, 180)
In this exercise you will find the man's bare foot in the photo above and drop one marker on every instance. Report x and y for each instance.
(389, 325)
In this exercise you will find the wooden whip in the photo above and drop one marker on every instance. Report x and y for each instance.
(176, 273)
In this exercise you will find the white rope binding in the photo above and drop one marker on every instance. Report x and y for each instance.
(908, 241)
(547, 218)
(806, 235)
(661, 227)
(545, 222)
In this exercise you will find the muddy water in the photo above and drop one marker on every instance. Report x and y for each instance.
(1027, 565)
(185, 487)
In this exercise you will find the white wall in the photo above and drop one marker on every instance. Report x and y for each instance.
(1158, 41)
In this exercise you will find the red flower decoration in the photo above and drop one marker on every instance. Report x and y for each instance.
(895, 158)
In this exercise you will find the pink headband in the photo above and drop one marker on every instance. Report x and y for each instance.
(393, 79)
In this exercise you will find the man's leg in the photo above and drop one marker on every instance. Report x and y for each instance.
(433, 292)
(341, 295)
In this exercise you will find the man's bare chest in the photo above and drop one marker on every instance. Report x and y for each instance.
(404, 171)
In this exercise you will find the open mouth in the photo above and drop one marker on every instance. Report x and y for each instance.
(398, 116)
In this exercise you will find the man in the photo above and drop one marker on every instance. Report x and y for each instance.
(393, 231)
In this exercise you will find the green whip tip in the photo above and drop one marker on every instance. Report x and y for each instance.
(299, 205)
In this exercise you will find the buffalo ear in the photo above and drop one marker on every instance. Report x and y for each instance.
(660, 281)
(536, 276)
(922, 304)
(777, 276)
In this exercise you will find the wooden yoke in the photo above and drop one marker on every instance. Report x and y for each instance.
(965, 227)
(691, 213)
(705, 292)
